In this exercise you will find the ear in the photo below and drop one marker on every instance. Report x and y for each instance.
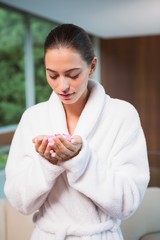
(93, 66)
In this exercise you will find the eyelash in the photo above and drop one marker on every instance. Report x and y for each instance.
(53, 77)
(75, 77)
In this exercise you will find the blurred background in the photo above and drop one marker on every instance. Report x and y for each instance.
(126, 38)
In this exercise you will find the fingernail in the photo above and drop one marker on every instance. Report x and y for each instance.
(73, 140)
(53, 154)
(51, 143)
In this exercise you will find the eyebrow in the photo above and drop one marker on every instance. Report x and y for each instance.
(68, 71)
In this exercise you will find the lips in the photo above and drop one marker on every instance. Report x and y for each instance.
(66, 96)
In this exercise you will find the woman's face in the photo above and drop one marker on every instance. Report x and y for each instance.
(67, 74)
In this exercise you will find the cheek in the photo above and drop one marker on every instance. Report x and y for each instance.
(79, 85)
(51, 83)
(82, 82)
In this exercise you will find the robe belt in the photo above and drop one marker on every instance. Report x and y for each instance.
(61, 231)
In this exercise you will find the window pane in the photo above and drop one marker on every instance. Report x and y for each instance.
(40, 29)
(12, 83)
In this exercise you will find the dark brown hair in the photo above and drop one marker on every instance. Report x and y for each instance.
(71, 36)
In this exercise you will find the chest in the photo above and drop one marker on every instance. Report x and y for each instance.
(71, 124)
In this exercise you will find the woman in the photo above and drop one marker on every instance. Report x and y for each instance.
(82, 186)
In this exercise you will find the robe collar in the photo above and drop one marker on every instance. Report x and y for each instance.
(89, 117)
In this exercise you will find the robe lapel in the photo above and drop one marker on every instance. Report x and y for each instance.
(57, 115)
(92, 110)
(89, 116)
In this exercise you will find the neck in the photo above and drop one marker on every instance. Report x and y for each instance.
(73, 112)
(76, 109)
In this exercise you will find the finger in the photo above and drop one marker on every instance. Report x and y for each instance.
(54, 156)
(37, 144)
(76, 139)
(62, 153)
(47, 150)
(64, 144)
(42, 147)
(63, 147)
(73, 146)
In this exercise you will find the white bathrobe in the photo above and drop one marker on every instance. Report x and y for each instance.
(87, 196)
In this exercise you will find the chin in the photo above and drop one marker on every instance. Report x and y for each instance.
(69, 102)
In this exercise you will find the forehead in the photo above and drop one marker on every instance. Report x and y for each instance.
(63, 57)
(63, 52)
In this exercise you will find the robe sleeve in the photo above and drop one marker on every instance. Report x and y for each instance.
(117, 184)
(29, 177)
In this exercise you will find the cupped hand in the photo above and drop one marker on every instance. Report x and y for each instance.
(60, 149)
(43, 148)
(63, 149)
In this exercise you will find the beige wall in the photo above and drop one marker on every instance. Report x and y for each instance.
(13, 225)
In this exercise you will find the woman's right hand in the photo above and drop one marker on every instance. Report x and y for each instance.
(43, 148)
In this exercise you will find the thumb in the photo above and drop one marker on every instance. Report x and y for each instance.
(76, 139)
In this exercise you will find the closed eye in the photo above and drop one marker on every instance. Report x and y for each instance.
(53, 77)
(74, 77)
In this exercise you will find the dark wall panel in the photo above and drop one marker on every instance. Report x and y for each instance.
(131, 71)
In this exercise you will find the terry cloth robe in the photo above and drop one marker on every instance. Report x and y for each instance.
(87, 196)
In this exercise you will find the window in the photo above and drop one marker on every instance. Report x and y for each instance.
(40, 29)
(12, 94)
(18, 31)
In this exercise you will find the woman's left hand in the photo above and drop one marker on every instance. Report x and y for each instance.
(63, 149)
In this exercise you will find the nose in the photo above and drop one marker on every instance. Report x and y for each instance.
(63, 84)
